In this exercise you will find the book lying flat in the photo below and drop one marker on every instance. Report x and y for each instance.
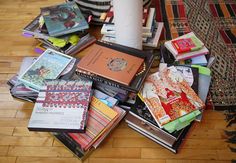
(169, 97)
(186, 55)
(136, 79)
(110, 63)
(99, 117)
(49, 65)
(62, 105)
(63, 19)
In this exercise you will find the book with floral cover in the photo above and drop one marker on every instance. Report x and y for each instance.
(169, 97)
(62, 105)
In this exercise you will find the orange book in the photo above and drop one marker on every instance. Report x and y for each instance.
(111, 64)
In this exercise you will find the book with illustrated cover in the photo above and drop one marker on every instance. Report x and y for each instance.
(99, 117)
(184, 45)
(111, 64)
(62, 105)
(138, 78)
(63, 19)
(169, 97)
(190, 54)
(108, 100)
(49, 65)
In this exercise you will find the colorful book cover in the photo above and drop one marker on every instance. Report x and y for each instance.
(48, 66)
(63, 19)
(62, 105)
(168, 96)
(183, 45)
(99, 117)
(111, 64)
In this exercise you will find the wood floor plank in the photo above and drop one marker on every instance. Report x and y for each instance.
(48, 160)
(39, 151)
(7, 159)
(3, 150)
(26, 141)
(6, 131)
(155, 153)
(23, 131)
(112, 160)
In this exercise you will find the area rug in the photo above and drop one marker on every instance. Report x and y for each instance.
(214, 22)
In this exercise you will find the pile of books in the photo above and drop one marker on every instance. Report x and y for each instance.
(151, 28)
(61, 27)
(81, 100)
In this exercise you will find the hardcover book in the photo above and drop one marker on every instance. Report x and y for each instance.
(63, 19)
(48, 66)
(169, 97)
(99, 117)
(62, 105)
(111, 64)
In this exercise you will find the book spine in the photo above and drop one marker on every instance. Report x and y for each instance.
(101, 80)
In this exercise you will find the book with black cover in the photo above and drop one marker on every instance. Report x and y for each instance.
(137, 81)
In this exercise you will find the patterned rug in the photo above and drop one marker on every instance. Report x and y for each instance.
(214, 22)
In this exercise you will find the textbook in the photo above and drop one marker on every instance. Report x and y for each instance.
(49, 65)
(62, 105)
(63, 19)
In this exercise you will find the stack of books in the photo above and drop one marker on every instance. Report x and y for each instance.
(186, 47)
(61, 27)
(151, 29)
(80, 101)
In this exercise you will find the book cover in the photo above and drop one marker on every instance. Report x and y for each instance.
(108, 100)
(62, 105)
(111, 64)
(63, 19)
(169, 97)
(183, 45)
(186, 55)
(100, 116)
(49, 65)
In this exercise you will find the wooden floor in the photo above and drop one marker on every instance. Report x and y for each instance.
(206, 142)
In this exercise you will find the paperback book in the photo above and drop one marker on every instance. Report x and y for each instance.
(169, 97)
(63, 19)
(49, 65)
(62, 105)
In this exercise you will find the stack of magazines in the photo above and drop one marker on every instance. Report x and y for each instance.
(61, 27)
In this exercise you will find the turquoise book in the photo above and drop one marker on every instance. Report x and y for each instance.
(63, 19)
(48, 66)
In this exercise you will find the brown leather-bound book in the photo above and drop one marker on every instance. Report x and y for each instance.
(111, 64)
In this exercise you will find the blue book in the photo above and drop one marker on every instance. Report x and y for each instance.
(63, 19)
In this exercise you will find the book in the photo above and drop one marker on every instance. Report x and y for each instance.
(99, 117)
(49, 65)
(108, 100)
(169, 97)
(186, 55)
(184, 45)
(62, 105)
(111, 64)
(153, 135)
(63, 19)
(137, 81)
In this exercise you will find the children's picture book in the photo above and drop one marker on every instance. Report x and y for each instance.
(168, 96)
(49, 65)
(111, 64)
(62, 105)
(63, 19)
